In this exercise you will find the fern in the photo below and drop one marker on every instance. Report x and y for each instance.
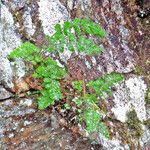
(75, 35)
(103, 85)
(92, 115)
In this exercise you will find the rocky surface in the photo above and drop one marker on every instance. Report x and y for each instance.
(22, 126)
(130, 95)
(9, 39)
(50, 13)
(4, 94)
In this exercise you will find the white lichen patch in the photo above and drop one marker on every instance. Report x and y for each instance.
(9, 40)
(26, 102)
(65, 55)
(19, 68)
(146, 137)
(85, 5)
(4, 94)
(129, 67)
(26, 122)
(51, 12)
(130, 95)
(93, 60)
(113, 144)
(88, 65)
(28, 24)
(70, 4)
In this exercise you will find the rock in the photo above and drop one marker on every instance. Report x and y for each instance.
(51, 12)
(50, 18)
(113, 144)
(9, 38)
(4, 94)
(15, 4)
(6, 73)
(145, 140)
(54, 122)
(8, 41)
(130, 95)
(20, 86)
(21, 123)
(28, 25)
(19, 69)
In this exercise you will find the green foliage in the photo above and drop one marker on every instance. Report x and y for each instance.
(134, 125)
(46, 69)
(147, 97)
(78, 85)
(49, 94)
(91, 112)
(76, 35)
(67, 106)
(103, 85)
(28, 52)
(79, 101)
(92, 119)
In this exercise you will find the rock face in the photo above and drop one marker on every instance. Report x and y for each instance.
(4, 94)
(23, 127)
(130, 95)
(9, 40)
(50, 13)
(20, 122)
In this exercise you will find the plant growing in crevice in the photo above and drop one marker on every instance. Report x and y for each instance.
(88, 103)
(76, 36)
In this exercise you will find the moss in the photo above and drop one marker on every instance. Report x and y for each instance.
(134, 125)
(147, 97)
(147, 123)
(139, 70)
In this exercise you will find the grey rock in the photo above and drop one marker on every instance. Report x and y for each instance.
(15, 4)
(145, 140)
(52, 12)
(4, 94)
(9, 40)
(28, 24)
(130, 95)
(54, 122)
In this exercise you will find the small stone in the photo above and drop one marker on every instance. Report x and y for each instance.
(21, 86)
(4, 94)
(9, 40)
(28, 102)
(130, 95)
(54, 122)
(22, 129)
(26, 122)
(11, 135)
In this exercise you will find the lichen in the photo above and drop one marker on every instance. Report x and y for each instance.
(130, 94)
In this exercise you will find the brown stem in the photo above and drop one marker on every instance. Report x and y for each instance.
(84, 90)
